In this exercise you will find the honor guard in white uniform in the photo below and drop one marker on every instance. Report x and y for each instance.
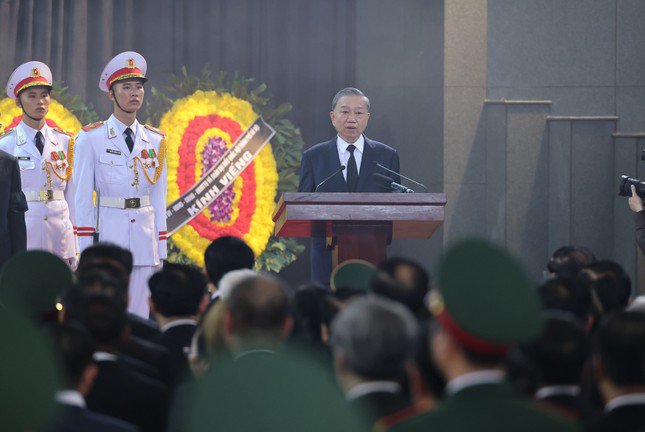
(45, 155)
(123, 161)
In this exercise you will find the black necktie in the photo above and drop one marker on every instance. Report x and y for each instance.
(40, 142)
(128, 139)
(352, 170)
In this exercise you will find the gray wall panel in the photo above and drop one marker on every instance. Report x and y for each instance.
(559, 184)
(578, 100)
(527, 184)
(496, 171)
(592, 185)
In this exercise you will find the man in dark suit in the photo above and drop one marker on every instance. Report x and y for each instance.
(13, 206)
(75, 349)
(371, 339)
(620, 373)
(177, 298)
(352, 150)
(119, 390)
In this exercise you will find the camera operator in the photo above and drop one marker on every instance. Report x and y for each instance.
(637, 206)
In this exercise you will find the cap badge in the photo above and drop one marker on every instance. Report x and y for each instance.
(130, 63)
(35, 73)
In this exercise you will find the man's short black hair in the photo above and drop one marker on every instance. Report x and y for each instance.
(104, 319)
(560, 352)
(609, 283)
(177, 290)
(107, 250)
(569, 260)
(567, 294)
(106, 277)
(75, 348)
(411, 295)
(225, 254)
(621, 347)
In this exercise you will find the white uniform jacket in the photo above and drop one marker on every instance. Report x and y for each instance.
(50, 224)
(103, 163)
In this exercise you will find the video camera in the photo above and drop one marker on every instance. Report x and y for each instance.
(626, 186)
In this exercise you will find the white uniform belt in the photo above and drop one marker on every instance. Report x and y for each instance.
(125, 203)
(45, 195)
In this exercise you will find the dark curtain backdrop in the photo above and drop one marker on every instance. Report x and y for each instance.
(304, 50)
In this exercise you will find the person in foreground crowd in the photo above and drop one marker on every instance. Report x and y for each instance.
(119, 390)
(559, 356)
(620, 372)
(141, 327)
(177, 299)
(372, 339)
(123, 161)
(75, 349)
(45, 155)
(567, 261)
(12, 209)
(469, 343)
(321, 168)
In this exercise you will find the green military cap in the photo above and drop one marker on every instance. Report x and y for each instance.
(485, 299)
(29, 374)
(357, 274)
(33, 280)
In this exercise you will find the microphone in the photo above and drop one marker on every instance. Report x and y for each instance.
(342, 167)
(391, 184)
(399, 174)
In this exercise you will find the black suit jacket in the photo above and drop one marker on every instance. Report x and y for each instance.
(626, 418)
(77, 419)
(176, 340)
(376, 405)
(13, 206)
(318, 163)
(122, 393)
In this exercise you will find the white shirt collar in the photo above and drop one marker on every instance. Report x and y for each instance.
(31, 132)
(178, 322)
(372, 387)
(491, 376)
(104, 356)
(628, 399)
(71, 398)
(342, 144)
(567, 390)
(121, 127)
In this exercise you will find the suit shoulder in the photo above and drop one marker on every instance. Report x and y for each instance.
(380, 145)
(93, 126)
(155, 130)
(320, 146)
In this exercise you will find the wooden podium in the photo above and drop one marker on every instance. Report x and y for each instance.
(358, 225)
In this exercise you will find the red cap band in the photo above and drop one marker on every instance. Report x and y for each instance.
(126, 72)
(466, 339)
(30, 82)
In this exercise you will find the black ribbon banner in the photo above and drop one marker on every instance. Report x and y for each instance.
(220, 176)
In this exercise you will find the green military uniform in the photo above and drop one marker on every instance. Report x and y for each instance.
(486, 303)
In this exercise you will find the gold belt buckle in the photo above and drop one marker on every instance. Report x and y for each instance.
(131, 203)
(45, 195)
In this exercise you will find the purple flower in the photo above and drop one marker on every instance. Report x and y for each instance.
(222, 208)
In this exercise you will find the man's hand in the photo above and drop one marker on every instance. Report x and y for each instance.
(635, 202)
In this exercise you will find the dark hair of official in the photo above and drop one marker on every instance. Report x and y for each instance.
(560, 352)
(225, 254)
(621, 347)
(610, 284)
(177, 290)
(108, 250)
(569, 260)
(567, 294)
(75, 348)
(104, 319)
